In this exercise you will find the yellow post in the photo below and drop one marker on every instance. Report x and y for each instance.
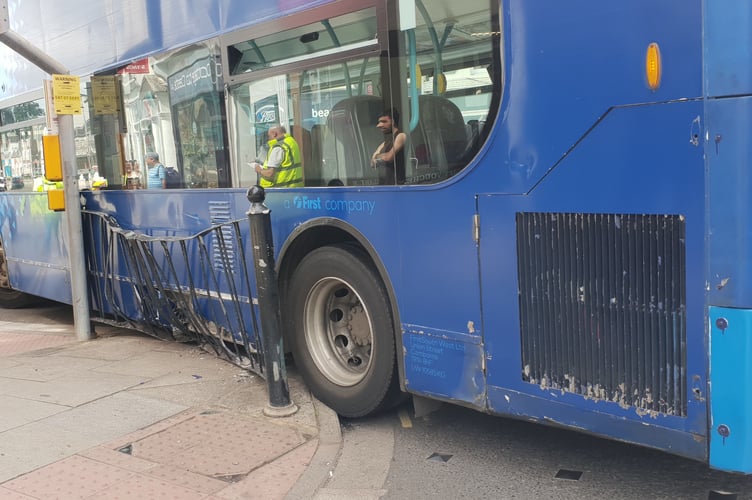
(53, 165)
(56, 200)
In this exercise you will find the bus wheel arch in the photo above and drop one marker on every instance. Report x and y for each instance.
(332, 286)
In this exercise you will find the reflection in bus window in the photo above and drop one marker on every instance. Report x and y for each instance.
(173, 106)
(454, 86)
(332, 123)
(331, 108)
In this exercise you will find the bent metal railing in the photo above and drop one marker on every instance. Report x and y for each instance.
(185, 288)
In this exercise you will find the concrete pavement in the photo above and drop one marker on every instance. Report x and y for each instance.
(129, 416)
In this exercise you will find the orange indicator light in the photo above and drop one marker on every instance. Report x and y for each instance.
(653, 66)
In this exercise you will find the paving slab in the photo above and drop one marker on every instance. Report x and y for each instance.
(53, 367)
(75, 389)
(16, 343)
(32, 446)
(74, 477)
(129, 416)
(17, 411)
(112, 416)
(272, 482)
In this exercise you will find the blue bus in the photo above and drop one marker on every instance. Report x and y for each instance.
(562, 238)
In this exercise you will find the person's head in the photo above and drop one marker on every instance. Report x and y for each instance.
(152, 158)
(388, 121)
(276, 131)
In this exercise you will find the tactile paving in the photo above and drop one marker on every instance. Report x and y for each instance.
(117, 459)
(219, 444)
(185, 478)
(147, 488)
(274, 480)
(7, 494)
(74, 477)
(16, 343)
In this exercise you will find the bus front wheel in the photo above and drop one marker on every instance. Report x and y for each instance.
(342, 332)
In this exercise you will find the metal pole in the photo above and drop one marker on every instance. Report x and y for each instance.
(259, 217)
(76, 260)
(25, 49)
(76, 257)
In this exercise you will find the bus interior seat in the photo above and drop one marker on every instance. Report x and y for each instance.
(419, 148)
(444, 127)
(341, 147)
(303, 137)
(352, 124)
(437, 147)
(473, 137)
(313, 170)
(440, 140)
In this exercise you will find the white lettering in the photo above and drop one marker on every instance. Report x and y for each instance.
(319, 113)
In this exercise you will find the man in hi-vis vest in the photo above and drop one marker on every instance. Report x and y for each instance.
(282, 167)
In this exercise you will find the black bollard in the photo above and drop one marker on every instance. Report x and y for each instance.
(259, 217)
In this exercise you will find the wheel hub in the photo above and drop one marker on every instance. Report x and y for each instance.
(358, 326)
(339, 332)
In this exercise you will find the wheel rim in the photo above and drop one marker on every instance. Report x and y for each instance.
(338, 331)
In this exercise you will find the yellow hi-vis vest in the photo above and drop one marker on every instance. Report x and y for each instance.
(290, 172)
(42, 184)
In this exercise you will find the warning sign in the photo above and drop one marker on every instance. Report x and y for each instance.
(104, 95)
(66, 93)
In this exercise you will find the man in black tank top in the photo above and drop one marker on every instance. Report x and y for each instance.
(389, 158)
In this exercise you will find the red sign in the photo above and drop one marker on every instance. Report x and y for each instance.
(137, 67)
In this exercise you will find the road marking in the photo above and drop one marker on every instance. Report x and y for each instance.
(405, 419)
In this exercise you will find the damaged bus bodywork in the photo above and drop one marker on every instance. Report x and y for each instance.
(564, 239)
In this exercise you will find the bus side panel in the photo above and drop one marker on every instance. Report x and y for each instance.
(569, 412)
(438, 303)
(592, 343)
(730, 387)
(727, 31)
(444, 364)
(184, 262)
(728, 73)
(728, 156)
(568, 63)
(35, 246)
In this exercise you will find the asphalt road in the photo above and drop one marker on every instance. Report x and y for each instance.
(460, 453)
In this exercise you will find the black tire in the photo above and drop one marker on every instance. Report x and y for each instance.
(341, 331)
(13, 299)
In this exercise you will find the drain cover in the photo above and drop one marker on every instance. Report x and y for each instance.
(571, 475)
(439, 457)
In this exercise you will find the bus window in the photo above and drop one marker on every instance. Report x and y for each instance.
(454, 51)
(174, 107)
(326, 102)
(295, 46)
(331, 108)
(333, 126)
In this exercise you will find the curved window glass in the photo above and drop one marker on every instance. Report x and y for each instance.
(170, 105)
(363, 103)
(457, 50)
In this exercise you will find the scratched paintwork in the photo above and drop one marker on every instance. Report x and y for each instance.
(578, 132)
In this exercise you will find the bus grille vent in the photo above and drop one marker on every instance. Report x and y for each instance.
(603, 307)
(223, 242)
